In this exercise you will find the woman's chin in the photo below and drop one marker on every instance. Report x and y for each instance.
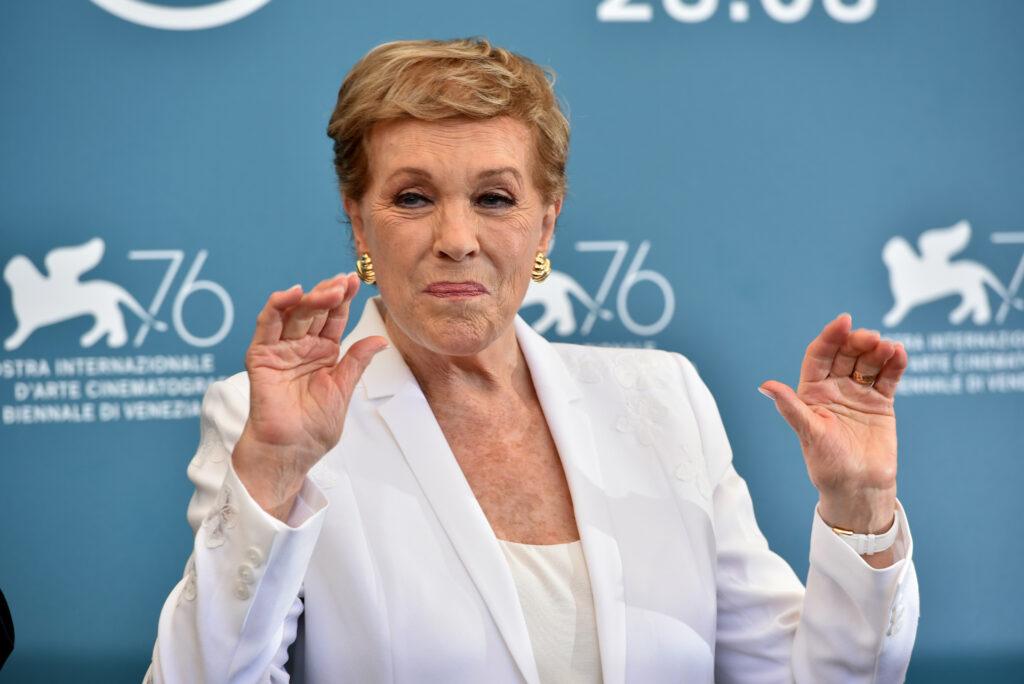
(460, 335)
(452, 328)
(458, 344)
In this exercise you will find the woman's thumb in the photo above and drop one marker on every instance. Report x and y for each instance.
(792, 408)
(356, 359)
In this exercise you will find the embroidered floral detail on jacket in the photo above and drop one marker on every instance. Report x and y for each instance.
(693, 470)
(585, 367)
(643, 412)
(210, 445)
(220, 518)
(642, 370)
(188, 592)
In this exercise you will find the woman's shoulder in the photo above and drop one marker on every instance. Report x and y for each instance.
(639, 377)
(630, 367)
(655, 394)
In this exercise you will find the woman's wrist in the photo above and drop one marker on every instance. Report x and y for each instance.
(867, 511)
(271, 479)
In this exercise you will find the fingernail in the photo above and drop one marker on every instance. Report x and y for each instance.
(293, 287)
(766, 393)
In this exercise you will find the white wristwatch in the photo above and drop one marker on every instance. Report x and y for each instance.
(868, 544)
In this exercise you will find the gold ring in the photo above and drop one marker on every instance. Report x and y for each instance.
(862, 379)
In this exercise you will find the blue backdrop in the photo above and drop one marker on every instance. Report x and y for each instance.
(740, 173)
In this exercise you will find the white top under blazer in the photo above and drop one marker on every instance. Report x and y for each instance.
(554, 591)
(388, 570)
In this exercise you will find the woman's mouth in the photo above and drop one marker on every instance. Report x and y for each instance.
(460, 290)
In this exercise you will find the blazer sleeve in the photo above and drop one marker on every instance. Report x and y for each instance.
(235, 611)
(852, 623)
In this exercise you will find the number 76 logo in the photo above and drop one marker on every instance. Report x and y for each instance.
(556, 293)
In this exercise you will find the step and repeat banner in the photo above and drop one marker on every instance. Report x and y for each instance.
(740, 172)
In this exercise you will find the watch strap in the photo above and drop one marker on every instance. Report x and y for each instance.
(868, 544)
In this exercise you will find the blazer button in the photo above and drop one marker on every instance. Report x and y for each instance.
(241, 591)
(255, 556)
(246, 574)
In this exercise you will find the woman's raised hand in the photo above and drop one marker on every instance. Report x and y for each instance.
(298, 388)
(842, 411)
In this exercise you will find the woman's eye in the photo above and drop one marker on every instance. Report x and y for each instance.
(410, 200)
(493, 200)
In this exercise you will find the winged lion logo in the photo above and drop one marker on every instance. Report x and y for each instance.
(41, 300)
(919, 278)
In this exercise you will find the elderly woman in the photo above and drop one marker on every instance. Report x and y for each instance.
(446, 496)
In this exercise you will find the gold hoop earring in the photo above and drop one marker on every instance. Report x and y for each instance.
(364, 268)
(541, 268)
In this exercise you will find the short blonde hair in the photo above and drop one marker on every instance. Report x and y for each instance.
(439, 79)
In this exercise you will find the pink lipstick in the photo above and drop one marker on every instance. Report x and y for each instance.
(450, 290)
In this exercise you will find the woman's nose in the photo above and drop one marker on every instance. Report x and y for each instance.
(455, 236)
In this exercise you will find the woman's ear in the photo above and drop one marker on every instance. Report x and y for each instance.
(548, 225)
(355, 218)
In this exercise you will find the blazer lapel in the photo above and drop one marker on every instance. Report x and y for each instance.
(571, 429)
(410, 419)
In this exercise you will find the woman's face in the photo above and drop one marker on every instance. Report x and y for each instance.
(452, 220)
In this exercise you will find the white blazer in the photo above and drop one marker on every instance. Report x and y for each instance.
(399, 577)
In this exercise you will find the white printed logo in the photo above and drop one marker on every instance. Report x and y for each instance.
(697, 11)
(963, 360)
(181, 18)
(40, 300)
(556, 294)
(917, 279)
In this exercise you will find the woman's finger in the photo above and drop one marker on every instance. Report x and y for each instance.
(299, 319)
(320, 315)
(870, 363)
(859, 342)
(337, 317)
(821, 352)
(889, 377)
(319, 319)
(270, 320)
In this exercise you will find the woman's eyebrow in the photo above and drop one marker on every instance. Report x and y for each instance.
(411, 170)
(500, 171)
